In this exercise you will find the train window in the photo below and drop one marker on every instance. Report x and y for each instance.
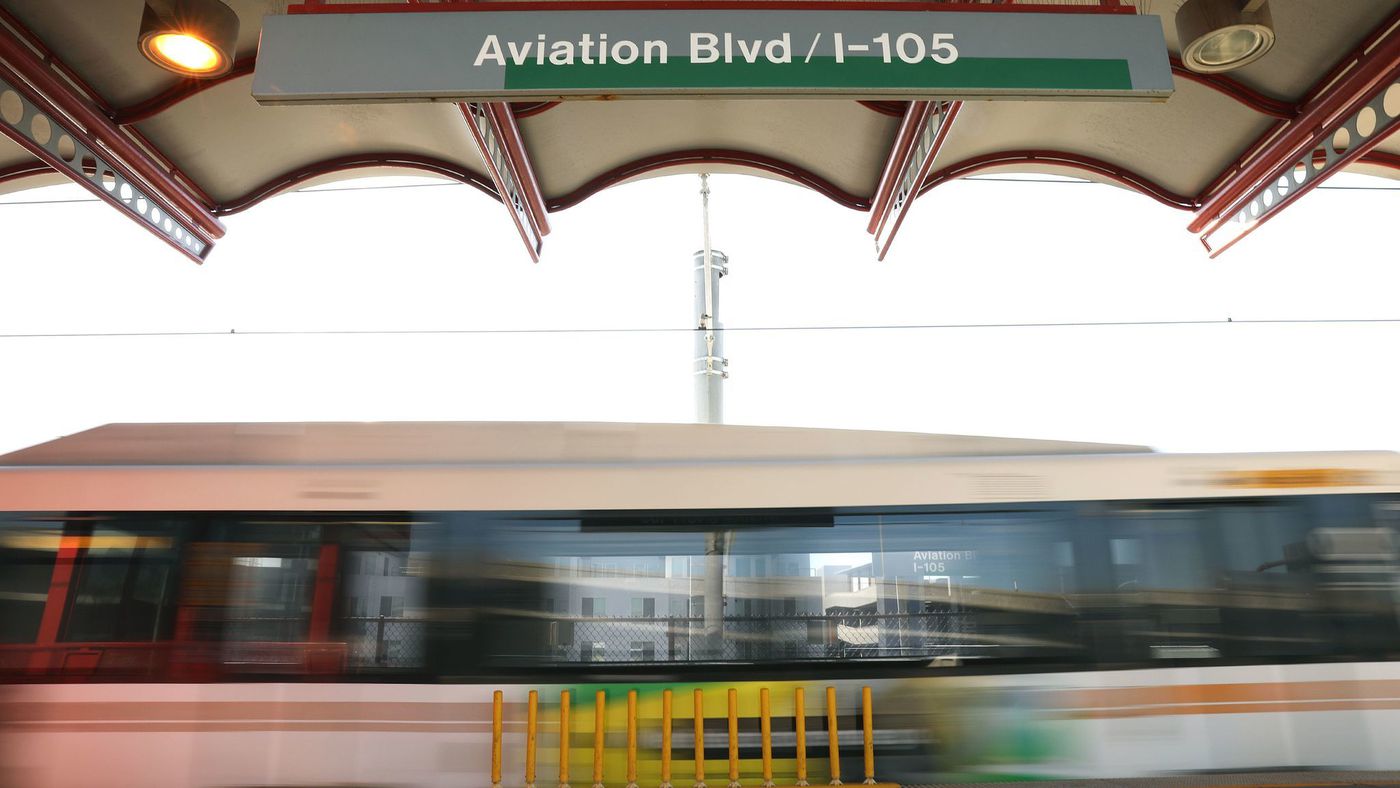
(28, 549)
(1231, 579)
(383, 618)
(246, 595)
(1158, 549)
(782, 588)
(270, 585)
(962, 585)
(613, 587)
(124, 581)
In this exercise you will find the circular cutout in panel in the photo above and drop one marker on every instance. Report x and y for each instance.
(89, 165)
(1341, 140)
(109, 180)
(155, 215)
(1318, 161)
(125, 192)
(1392, 101)
(40, 129)
(142, 206)
(1283, 186)
(168, 225)
(1300, 174)
(1365, 122)
(1269, 198)
(67, 149)
(11, 108)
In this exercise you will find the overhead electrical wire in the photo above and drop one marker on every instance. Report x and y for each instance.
(685, 330)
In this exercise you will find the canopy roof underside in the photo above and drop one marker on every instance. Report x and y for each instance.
(231, 152)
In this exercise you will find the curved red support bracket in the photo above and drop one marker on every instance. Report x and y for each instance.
(736, 158)
(529, 109)
(1379, 158)
(1074, 161)
(894, 109)
(1240, 92)
(178, 92)
(305, 173)
(26, 170)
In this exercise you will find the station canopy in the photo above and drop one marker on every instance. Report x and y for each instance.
(80, 101)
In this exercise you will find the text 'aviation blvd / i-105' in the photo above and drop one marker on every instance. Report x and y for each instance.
(461, 55)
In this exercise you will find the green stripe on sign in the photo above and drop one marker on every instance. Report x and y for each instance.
(967, 73)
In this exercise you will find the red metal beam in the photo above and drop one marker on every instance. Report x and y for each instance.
(503, 152)
(916, 115)
(916, 146)
(305, 173)
(1074, 161)
(87, 92)
(158, 200)
(1295, 180)
(706, 157)
(506, 127)
(1348, 87)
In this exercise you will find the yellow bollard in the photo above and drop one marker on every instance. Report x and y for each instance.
(800, 718)
(765, 722)
(600, 700)
(496, 708)
(733, 738)
(666, 739)
(832, 744)
(564, 739)
(531, 730)
(631, 739)
(699, 739)
(866, 719)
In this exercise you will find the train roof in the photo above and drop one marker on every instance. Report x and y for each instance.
(454, 443)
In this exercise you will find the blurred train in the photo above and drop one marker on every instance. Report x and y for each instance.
(334, 604)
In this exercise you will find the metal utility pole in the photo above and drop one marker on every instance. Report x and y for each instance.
(710, 372)
(711, 367)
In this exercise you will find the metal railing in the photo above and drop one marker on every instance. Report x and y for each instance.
(700, 742)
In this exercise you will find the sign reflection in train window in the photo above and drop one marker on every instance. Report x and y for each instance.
(801, 587)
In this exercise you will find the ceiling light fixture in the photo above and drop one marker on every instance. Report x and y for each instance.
(1223, 35)
(193, 38)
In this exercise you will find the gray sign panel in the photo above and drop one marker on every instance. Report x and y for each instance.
(509, 55)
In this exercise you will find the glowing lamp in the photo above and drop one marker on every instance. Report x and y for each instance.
(1223, 35)
(193, 38)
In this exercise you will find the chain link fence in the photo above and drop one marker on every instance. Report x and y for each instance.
(758, 638)
(383, 642)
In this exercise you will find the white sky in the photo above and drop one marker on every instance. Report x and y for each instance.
(445, 259)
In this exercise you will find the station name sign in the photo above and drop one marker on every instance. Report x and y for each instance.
(465, 54)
